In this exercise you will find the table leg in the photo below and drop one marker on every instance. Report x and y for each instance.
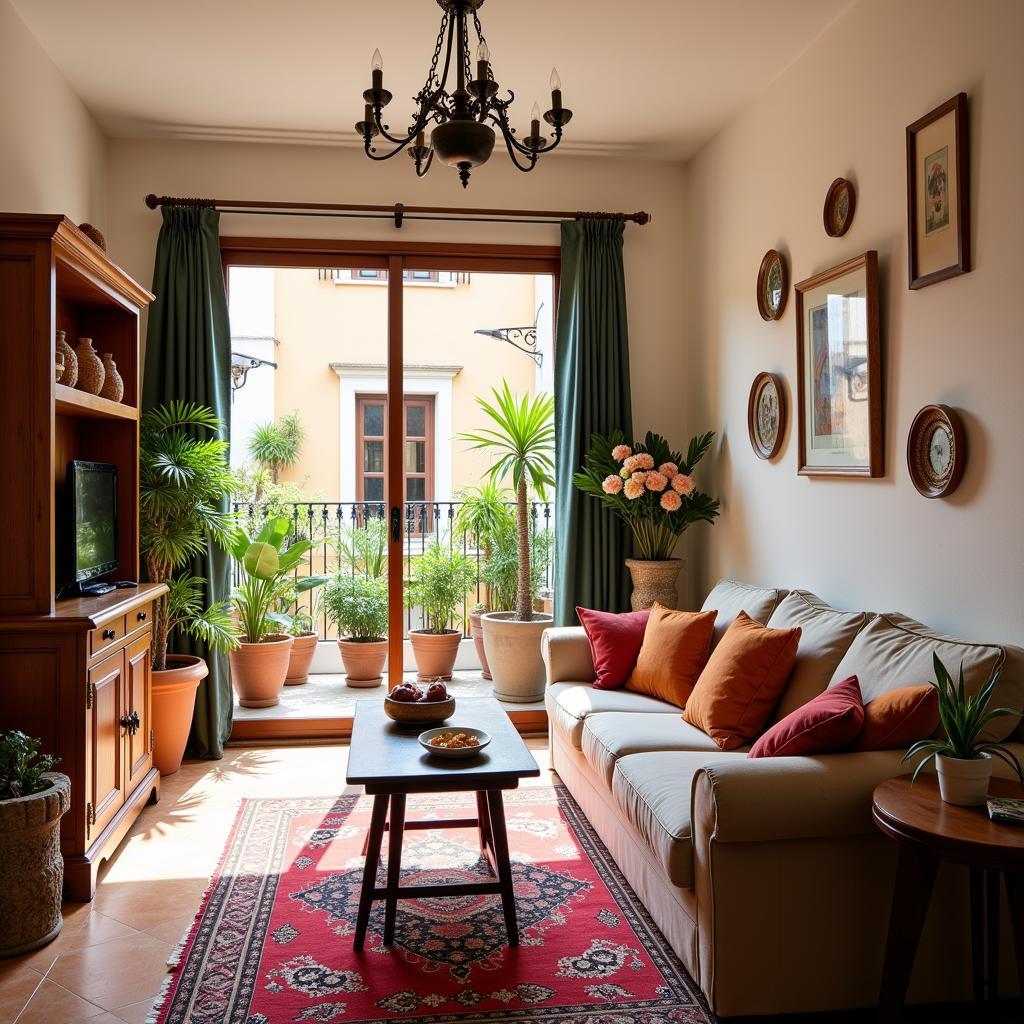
(396, 829)
(977, 934)
(486, 838)
(992, 889)
(374, 839)
(499, 838)
(1015, 897)
(915, 878)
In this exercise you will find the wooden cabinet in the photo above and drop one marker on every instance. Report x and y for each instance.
(75, 673)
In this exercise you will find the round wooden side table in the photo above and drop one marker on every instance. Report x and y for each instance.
(930, 831)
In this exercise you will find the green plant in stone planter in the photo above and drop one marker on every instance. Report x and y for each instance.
(22, 767)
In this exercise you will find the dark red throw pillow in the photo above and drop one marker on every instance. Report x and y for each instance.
(825, 725)
(615, 642)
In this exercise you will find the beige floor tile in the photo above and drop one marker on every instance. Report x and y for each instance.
(134, 1013)
(17, 983)
(83, 926)
(52, 1004)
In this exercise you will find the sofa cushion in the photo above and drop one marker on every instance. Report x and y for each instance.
(826, 724)
(612, 735)
(615, 642)
(674, 651)
(826, 636)
(729, 598)
(893, 651)
(899, 718)
(653, 792)
(569, 704)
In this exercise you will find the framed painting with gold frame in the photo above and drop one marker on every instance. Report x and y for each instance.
(839, 371)
(938, 194)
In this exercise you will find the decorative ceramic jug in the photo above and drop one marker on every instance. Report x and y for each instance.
(90, 367)
(113, 385)
(70, 375)
(58, 365)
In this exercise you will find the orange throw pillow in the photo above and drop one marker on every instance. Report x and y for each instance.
(898, 718)
(742, 682)
(674, 651)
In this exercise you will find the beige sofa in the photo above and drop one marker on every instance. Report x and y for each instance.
(768, 876)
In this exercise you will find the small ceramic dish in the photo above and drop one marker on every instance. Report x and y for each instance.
(481, 736)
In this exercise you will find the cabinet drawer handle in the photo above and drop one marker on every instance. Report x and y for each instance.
(141, 616)
(131, 722)
(109, 634)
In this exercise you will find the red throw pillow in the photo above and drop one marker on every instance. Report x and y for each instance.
(615, 642)
(825, 725)
(898, 718)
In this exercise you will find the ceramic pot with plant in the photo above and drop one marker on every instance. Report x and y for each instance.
(298, 623)
(184, 484)
(32, 801)
(358, 607)
(259, 664)
(442, 576)
(651, 489)
(521, 435)
(963, 760)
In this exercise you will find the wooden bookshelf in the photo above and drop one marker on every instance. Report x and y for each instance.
(72, 402)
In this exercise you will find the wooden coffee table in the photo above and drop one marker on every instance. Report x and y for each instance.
(387, 760)
(930, 831)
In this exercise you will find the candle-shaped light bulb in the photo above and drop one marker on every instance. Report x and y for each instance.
(535, 121)
(483, 51)
(377, 70)
(556, 90)
(483, 59)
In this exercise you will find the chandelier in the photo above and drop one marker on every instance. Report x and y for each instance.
(463, 135)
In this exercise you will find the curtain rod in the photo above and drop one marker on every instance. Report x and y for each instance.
(399, 212)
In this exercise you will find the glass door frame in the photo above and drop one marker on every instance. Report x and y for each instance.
(395, 257)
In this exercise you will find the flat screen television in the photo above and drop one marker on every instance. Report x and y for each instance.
(92, 503)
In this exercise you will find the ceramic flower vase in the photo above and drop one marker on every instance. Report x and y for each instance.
(113, 385)
(654, 581)
(964, 782)
(90, 368)
(69, 377)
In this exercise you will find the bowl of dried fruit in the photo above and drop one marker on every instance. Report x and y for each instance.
(408, 704)
(455, 741)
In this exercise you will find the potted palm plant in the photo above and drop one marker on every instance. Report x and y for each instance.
(183, 480)
(32, 801)
(259, 663)
(522, 437)
(963, 760)
(358, 607)
(442, 577)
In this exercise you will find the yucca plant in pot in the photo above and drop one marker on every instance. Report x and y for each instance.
(441, 578)
(184, 480)
(522, 438)
(358, 607)
(963, 760)
(32, 801)
(259, 664)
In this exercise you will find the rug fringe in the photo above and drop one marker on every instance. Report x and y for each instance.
(158, 1006)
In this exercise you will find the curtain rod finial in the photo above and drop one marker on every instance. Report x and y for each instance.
(151, 201)
(642, 217)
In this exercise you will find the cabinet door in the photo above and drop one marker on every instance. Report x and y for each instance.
(104, 754)
(137, 701)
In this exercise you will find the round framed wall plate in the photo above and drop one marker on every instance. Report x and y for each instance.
(766, 415)
(840, 202)
(936, 451)
(772, 286)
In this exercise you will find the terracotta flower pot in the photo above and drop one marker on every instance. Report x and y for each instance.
(654, 581)
(303, 649)
(174, 699)
(33, 868)
(477, 629)
(258, 670)
(513, 652)
(435, 653)
(363, 661)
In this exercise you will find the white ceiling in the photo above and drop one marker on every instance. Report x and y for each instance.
(651, 77)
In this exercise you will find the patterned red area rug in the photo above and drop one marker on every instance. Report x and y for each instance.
(272, 941)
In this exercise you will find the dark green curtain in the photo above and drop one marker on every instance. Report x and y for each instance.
(188, 357)
(591, 396)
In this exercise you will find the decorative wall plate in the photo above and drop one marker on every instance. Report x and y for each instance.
(840, 202)
(936, 451)
(772, 286)
(766, 415)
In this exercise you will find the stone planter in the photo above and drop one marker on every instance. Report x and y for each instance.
(174, 699)
(301, 657)
(513, 653)
(654, 581)
(363, 661)
(477, 629)
(258, 670)
(32, 873)
(435, 653)
(964, 782)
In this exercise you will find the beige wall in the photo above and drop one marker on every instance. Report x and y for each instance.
(52, 155)
(841, 109)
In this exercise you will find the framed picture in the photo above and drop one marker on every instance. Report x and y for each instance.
(938, 194)
(839, 373)
(766, 415)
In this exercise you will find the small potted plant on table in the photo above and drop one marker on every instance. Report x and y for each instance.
(358, 607)
(32, 801)
(963, 760)
(441, 579)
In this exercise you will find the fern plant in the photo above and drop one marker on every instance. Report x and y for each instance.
(963, 718)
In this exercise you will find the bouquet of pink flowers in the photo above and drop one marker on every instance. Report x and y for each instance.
(649, 486)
